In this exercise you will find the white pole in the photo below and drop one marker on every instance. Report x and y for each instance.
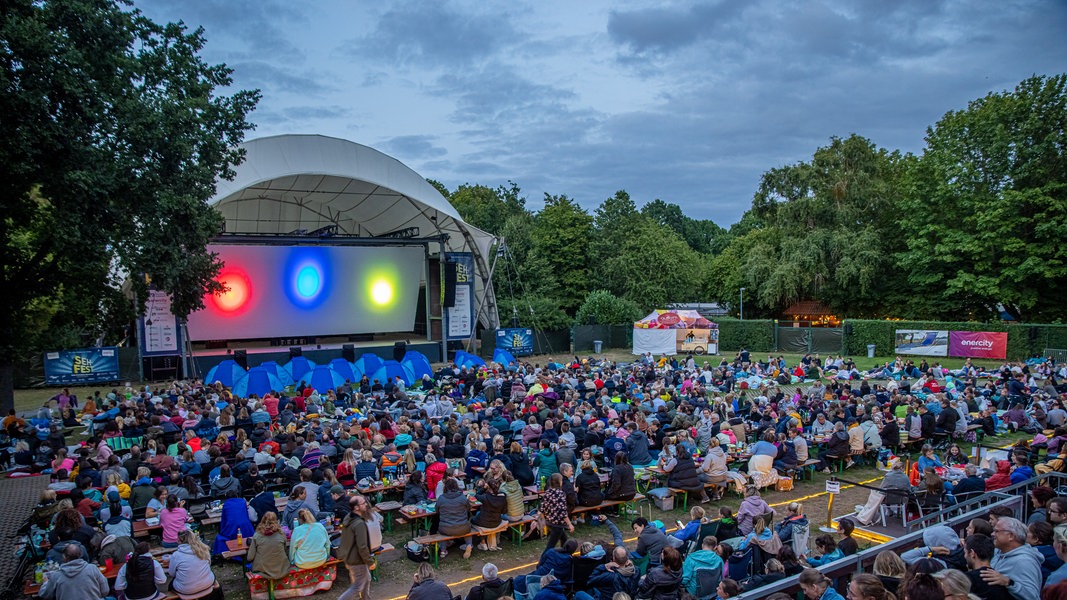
(742, 310)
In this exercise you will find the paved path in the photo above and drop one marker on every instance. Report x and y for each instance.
(18, 496)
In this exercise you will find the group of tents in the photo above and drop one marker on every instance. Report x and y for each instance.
(270, 376)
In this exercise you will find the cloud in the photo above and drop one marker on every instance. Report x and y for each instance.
(273, 77)
(412, 147)
(433, 34)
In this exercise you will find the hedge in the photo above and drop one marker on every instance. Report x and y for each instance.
(757, 335)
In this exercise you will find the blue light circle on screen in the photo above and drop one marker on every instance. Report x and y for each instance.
(307, 276)
(308, 281)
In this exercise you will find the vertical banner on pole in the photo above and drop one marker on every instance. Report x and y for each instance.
(160, 331)
(459, 318)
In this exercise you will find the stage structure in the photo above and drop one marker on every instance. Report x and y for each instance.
(332, 248)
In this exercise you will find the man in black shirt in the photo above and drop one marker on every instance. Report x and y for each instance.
(979, 551)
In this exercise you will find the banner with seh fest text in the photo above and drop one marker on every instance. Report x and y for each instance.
(978, 344)
(88, 365)
(459, 318)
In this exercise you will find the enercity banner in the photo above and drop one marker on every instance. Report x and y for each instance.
(978, 344)
(88, 365)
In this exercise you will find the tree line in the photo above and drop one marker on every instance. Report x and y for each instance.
(973, 225)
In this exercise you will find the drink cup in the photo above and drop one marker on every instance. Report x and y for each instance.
(110, 562)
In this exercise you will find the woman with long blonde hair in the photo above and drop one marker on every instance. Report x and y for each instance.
(266, 550)
(190, 567)
(309, 544)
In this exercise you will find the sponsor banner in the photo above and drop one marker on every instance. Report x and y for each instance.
(88, 365)
(160, 334)
(519, 341)
(978, 344)
(921, 342)
(460, 318)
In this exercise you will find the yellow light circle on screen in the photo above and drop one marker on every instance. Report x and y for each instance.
(381, 292)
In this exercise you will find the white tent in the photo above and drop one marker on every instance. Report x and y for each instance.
(307, 182)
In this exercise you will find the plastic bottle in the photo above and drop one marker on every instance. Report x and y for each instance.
(542, 483)
(240, 540)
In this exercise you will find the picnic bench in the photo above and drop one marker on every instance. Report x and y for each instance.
(299, 582)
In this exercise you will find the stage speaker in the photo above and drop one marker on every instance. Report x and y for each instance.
(241, 357)
(295, 351)
(399, 350)
(348, 352)
(450, 285)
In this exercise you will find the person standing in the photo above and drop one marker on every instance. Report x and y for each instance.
(554, 507)
(355, 550)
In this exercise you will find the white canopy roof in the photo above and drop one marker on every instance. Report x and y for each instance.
(306, 182)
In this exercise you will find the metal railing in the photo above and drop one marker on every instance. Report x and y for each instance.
(956, 517)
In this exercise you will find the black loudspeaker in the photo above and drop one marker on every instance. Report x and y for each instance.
(348, 352)
(399, 350)
(450, 285)
(295, 351)
(241, 357)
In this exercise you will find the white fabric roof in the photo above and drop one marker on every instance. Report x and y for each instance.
(292, 182)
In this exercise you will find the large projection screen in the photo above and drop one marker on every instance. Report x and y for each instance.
(296, 291)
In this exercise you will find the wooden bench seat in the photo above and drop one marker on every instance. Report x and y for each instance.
(262, 588)
(808, 467)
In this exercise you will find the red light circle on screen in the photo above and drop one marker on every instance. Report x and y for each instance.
(237, 297)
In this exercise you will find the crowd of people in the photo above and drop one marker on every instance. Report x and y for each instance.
(500, 430)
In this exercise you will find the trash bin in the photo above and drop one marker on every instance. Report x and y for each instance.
(870, 350)
(598, 345)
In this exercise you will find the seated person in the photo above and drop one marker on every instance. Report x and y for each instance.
(828, 550)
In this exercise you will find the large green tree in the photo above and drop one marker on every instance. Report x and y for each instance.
(986, 211)
(559, 256)
(111, 140)
(488, 208)
(829, 230)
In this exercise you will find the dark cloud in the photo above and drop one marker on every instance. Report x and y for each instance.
(433, 34)
(687, 102)
(272, 77)
(412, 147)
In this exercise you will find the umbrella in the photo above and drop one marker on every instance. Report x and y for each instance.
(298, 366)
(391, 369)
(278, 371)
(418, 364)
(503, 357)
(227, 371)
(466, 359)
(368, 363)
(346, 369)
(259, 381)
(323, 378)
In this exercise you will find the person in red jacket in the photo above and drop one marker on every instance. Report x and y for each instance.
(435, 472)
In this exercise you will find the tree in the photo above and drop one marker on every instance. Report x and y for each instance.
(614, 220)
(656, 267)
(829, 230)
(986, 209)
(486, 208)
(560, 252)
(601, 307)
(112, 138)
(701, 235)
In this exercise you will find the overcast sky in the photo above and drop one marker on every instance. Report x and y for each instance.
(687, 102)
